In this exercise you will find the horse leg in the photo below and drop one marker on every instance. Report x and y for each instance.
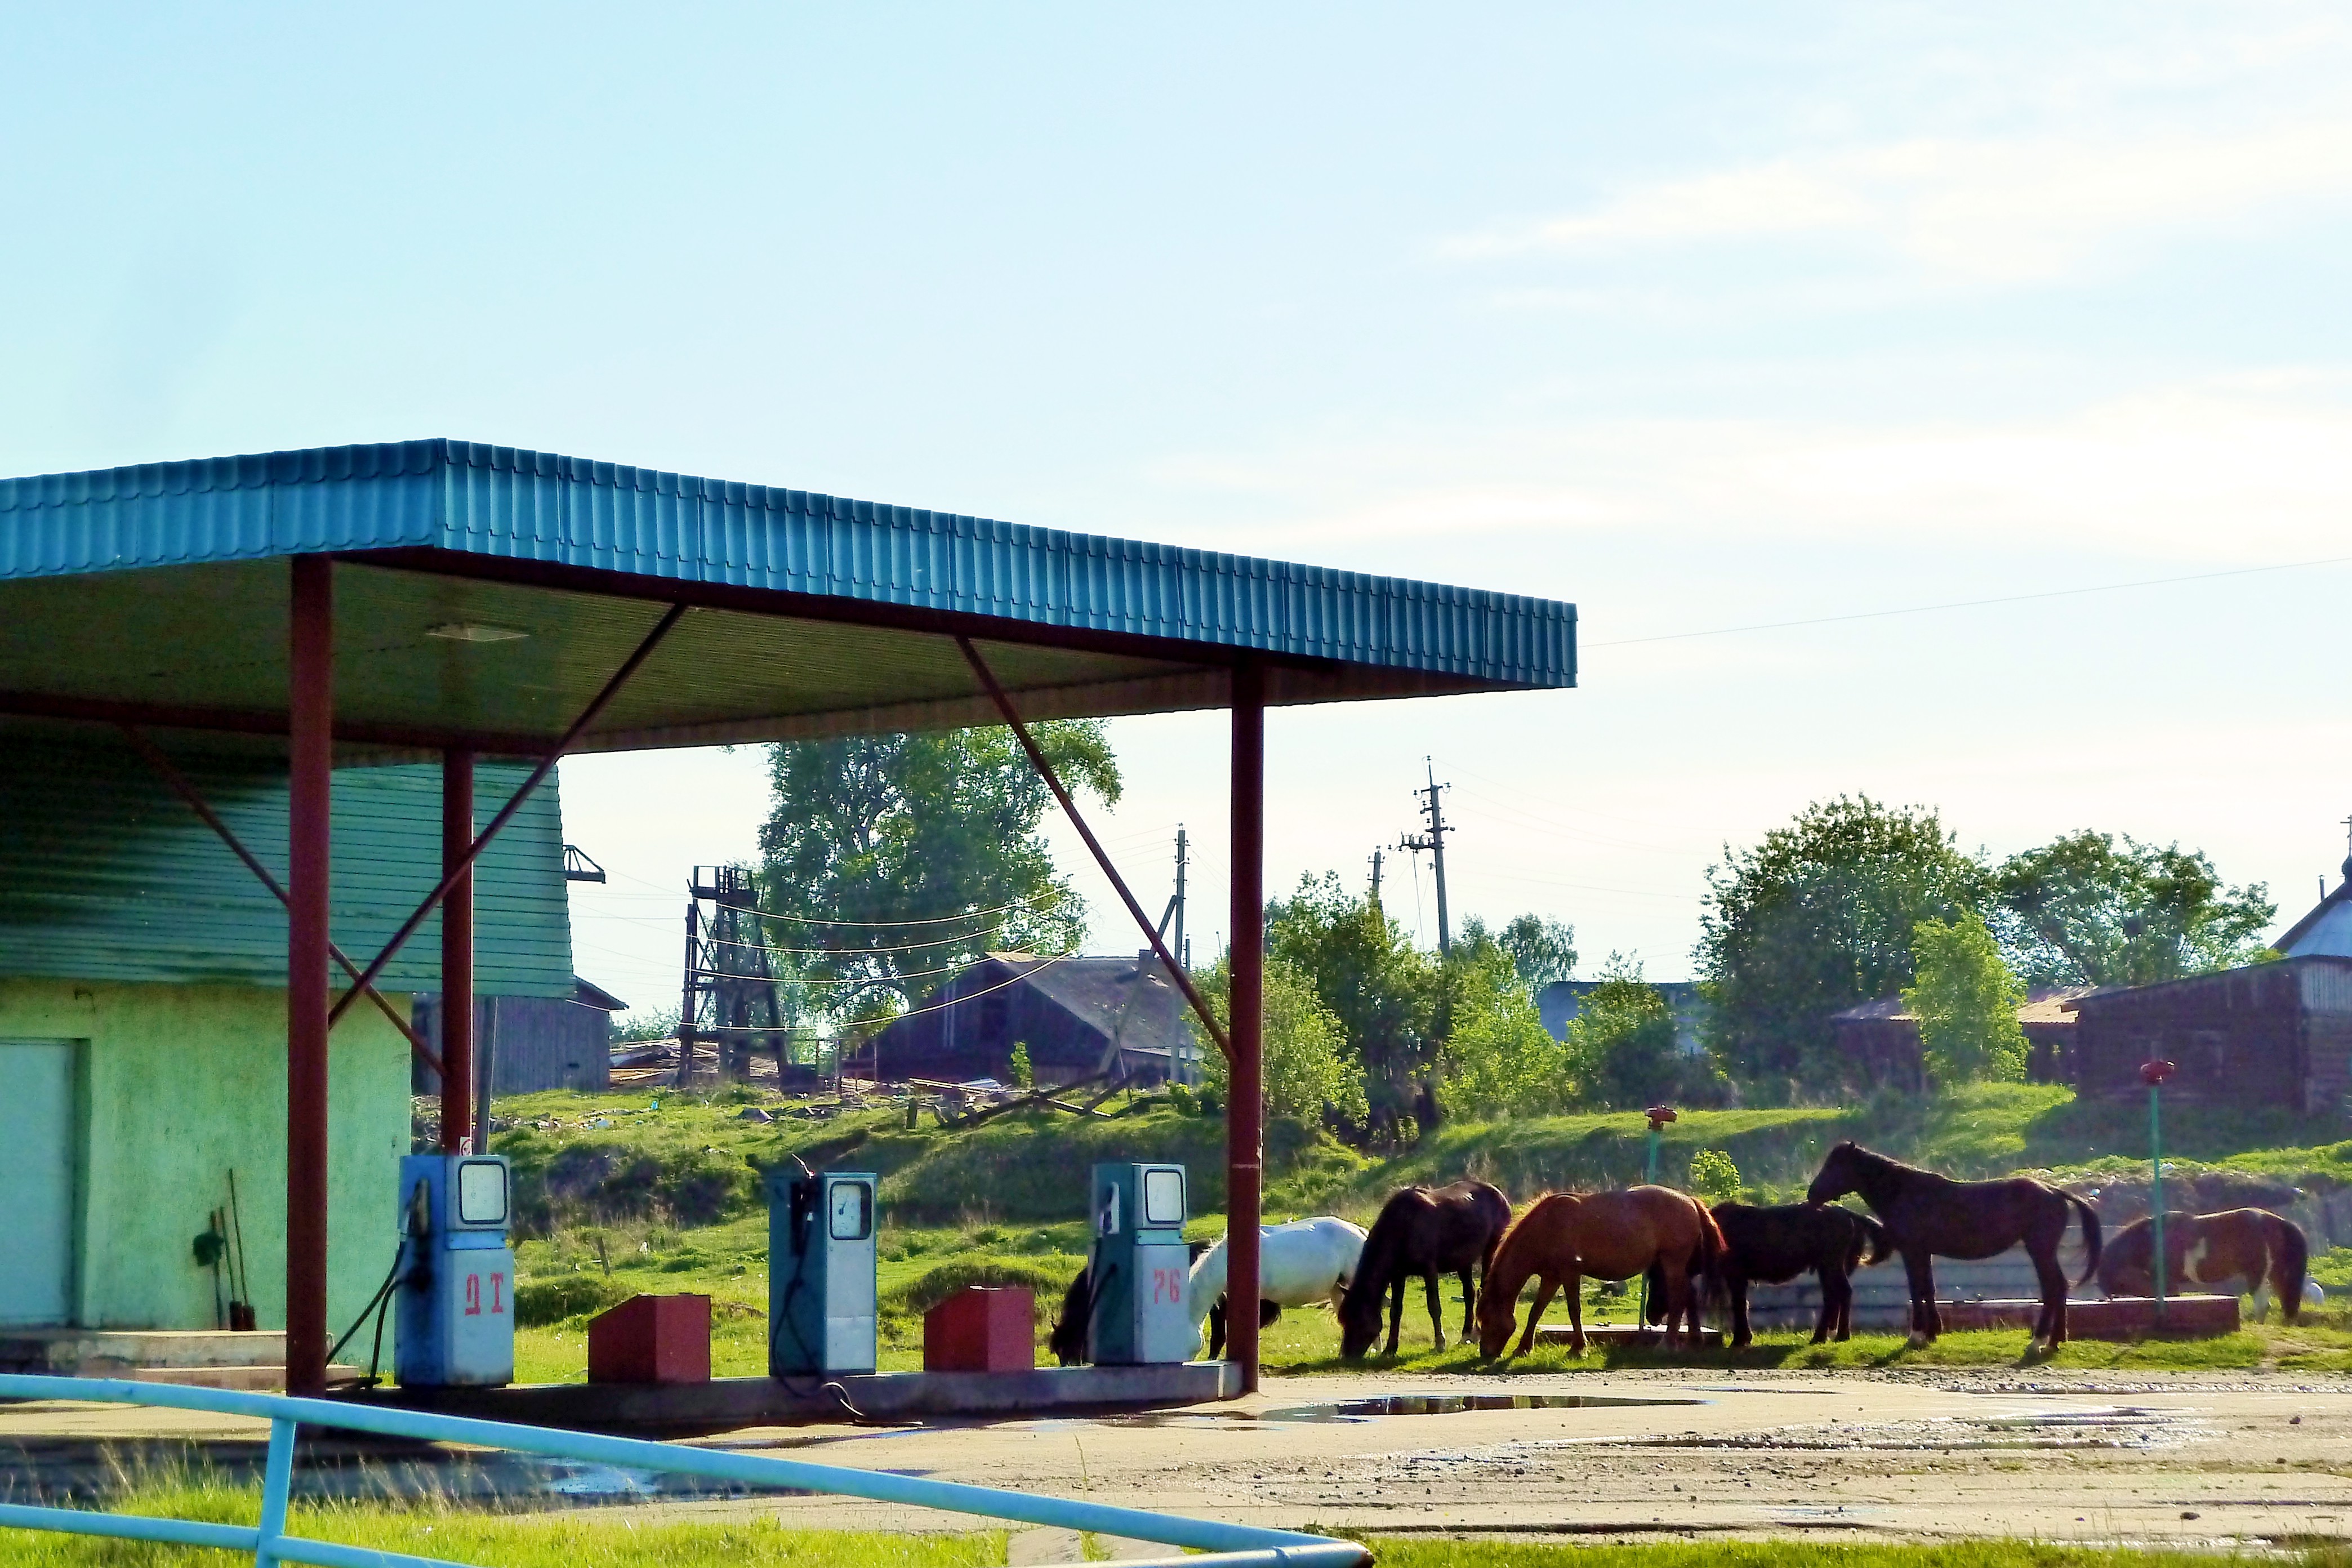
(1217, 1330)
(1546, 1286)
(1926, 1323)
(1396, 1312)
(1679, 1306)
(1742, 1336)
(1469, 1304)
(2051, 1330)
(1437, 1308)
(1837, 1292)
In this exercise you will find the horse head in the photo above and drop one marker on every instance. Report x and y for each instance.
(1497, 1316)
(1837, 1175)
(1359, 1316)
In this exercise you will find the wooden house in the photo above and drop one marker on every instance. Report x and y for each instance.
(2268, 1034)
(1080, 1017)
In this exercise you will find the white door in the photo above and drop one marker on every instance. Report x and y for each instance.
(36, 1121)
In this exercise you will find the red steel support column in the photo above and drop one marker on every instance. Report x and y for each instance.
(1244, 1109)
(456, 950)
(310, 692)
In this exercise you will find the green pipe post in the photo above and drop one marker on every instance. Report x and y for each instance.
(2153, 1073)
(1659, 1116)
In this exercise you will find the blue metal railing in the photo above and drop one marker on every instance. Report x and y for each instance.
(1227, 1545)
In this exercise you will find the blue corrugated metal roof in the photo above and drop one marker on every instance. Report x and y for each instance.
(503, 501)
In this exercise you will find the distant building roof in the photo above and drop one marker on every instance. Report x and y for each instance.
(2327, 930)
(1074, 1013)
(588, 993)
(2044, 1005)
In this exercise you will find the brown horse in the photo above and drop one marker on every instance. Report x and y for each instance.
(2251, 1244)
(1610, 1236)
(1930, 1216)
(1424, 1231)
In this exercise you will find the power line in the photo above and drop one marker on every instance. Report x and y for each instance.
(1977, 604)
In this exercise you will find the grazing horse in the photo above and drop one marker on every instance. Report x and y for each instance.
(1068, 1340)
(1610, 1236)
(2254, 1246)
(1306, 1260)
(1426, 1231)
(1773, 1246)
(1930, 1216)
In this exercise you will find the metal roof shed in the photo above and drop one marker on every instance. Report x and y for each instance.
(448, 598)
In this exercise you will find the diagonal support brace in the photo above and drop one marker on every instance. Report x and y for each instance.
(186, 791)
(596, 705)
(1069, 807)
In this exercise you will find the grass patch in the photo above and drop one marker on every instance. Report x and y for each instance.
(1410, 1552)
(592, 1537)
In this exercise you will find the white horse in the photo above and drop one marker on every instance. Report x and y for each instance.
(1306, 1260)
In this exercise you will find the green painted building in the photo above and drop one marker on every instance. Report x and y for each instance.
(143, 1017)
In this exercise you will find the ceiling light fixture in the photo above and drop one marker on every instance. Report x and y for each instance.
(475, 631)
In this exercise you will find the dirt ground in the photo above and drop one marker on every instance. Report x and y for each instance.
(2221, 1461)
(2182, 1462)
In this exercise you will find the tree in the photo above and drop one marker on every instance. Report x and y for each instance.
(1306, 1069)
(2081, 910)
(1382, 989)
(870, 838)
(1622, 1044)
(1817, 919)
(1541, 951)
(1965, 1000)
(1497, 1060)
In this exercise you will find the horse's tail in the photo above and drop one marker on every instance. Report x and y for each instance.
(2090, 1235)
(1870, 1236)
(2290, 1256)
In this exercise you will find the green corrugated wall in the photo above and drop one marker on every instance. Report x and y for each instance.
(105, 874)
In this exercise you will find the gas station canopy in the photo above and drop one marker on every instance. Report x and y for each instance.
(484, 594)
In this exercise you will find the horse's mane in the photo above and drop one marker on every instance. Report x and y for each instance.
(1503, 1243)
(1882, 1162)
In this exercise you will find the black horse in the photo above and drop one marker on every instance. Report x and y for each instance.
(1930, 1216)
(1426, 1231)
(1068, 1340)
(1773, 1246)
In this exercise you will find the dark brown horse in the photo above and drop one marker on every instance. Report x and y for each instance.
(1930, 1216)
(1609, 1235)
(1426, 1231)
(1771, 1245)
(2253, 1244)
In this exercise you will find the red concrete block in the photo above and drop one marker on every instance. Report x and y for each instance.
(651, 1339)
(981, 1328)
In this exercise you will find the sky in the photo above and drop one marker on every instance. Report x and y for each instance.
(1702, 318)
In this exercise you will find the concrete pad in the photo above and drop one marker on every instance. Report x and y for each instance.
(731, 1403)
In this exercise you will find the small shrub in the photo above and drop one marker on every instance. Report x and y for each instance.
(1713, 1177)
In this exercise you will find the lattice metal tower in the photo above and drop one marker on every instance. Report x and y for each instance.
(731, 997)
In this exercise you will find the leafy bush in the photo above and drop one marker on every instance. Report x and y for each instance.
(1713, 1177)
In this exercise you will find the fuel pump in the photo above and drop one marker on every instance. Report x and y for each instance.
(820, 1271)
(1139, 1266)
(455, 1319)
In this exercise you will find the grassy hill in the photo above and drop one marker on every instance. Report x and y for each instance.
(621, 1193)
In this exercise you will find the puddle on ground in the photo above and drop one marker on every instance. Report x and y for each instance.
(1460, 1405)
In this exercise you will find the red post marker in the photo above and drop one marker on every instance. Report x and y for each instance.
(2153, 1073)
(1660, 1115)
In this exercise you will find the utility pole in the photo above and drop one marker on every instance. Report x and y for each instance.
(1435, 842)
(1376, 877)
(1177, 946)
